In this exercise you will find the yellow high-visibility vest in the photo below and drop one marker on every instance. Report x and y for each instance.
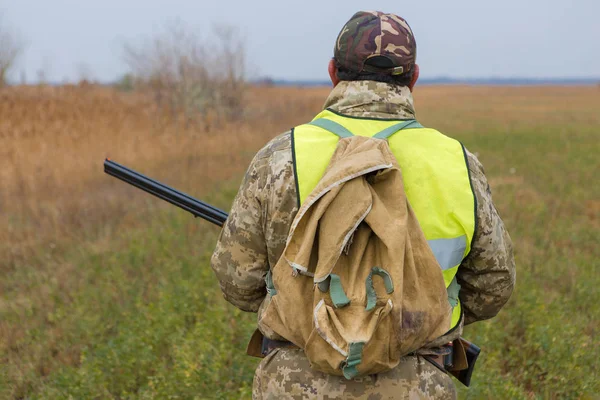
(436, 180)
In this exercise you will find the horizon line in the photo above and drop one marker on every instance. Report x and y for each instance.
(441, 80)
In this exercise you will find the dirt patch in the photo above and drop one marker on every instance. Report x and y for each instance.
(592, 211)
(506, 180)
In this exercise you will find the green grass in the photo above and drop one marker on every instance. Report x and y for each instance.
(163, 329)
(139, 314)
(147, 320)
(544, 343)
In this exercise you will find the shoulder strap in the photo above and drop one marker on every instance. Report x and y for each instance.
(332, 127)
(342, 132)
(386, 133)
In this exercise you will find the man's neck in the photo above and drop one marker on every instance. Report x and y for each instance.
(370, 99)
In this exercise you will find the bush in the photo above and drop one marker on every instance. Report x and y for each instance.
(190, 77)
(126, 83)
(11, 47)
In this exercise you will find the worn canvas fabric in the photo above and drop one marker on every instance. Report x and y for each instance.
(357, 286)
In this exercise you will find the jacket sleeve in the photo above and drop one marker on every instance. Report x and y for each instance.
(240, 257)
(487, 276)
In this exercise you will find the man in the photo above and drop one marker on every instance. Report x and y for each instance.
(373, 73)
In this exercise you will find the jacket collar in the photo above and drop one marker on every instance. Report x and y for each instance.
(370, 99)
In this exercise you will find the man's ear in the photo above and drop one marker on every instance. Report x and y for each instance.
(333, 73)
(415, 78)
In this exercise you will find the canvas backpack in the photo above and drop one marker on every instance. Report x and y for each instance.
(357, 286)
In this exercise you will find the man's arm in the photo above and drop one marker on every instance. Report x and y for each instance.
(487, 276)
(240, 257)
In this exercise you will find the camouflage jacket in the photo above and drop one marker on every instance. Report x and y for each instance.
(255, 233)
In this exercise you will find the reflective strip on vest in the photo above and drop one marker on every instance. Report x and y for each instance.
(436, 181)
(448, 252)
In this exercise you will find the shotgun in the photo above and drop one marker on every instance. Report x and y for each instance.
(200, 209)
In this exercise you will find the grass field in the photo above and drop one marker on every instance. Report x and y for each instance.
(106, 293)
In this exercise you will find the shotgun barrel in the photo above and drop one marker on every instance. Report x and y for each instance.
(197, 207)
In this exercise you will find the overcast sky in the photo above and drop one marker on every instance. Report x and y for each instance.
(294, 40)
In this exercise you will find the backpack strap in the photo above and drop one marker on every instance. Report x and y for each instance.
(354, 358)
(371, 295)
(333, 285)
(386, 133)
(332, 127)
(342, 132)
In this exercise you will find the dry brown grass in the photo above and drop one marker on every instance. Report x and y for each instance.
(460, 108)
(53, 141)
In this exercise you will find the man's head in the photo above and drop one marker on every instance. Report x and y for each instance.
(375, 46)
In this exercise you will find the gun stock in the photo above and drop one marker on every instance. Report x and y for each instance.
(465, 355)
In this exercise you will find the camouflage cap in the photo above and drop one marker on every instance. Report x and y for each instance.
(371, 34)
